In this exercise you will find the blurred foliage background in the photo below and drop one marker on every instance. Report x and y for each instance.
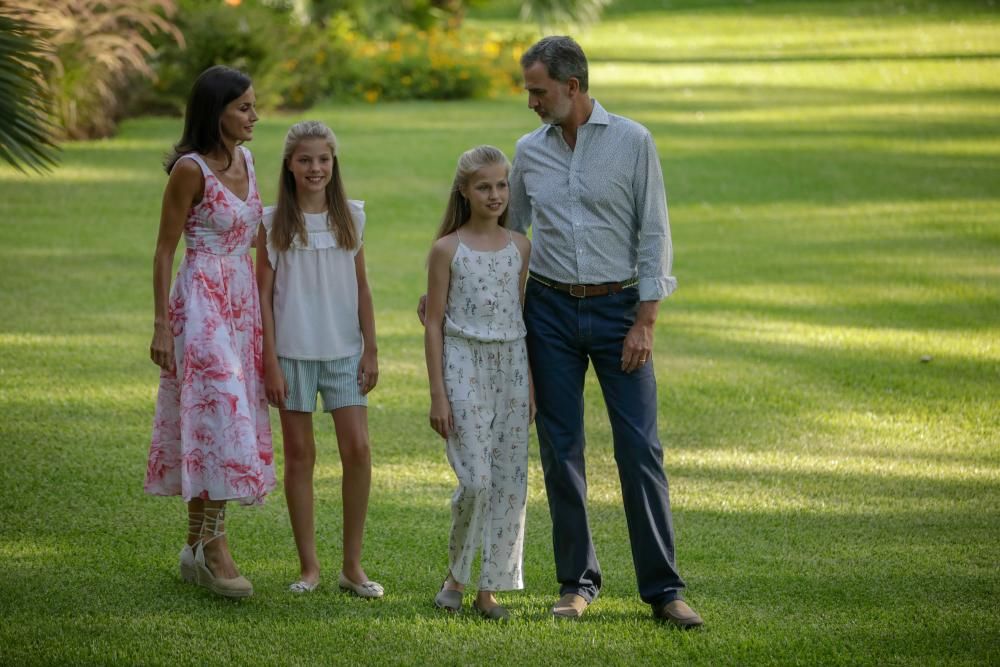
(76, 68)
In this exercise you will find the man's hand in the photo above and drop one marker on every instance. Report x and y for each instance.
(422, 309)
(637, 349)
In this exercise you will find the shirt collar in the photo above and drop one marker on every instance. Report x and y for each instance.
(598, 116)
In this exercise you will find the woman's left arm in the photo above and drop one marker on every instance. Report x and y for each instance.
(368, 368)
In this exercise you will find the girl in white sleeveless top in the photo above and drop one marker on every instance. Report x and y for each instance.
(477, 363)
(319, 338)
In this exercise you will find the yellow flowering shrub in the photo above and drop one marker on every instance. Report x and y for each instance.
(294, 65)
(439, 64)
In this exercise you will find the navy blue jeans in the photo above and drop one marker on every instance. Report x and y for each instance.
(565, 334)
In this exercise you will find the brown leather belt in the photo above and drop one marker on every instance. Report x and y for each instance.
(584, 291)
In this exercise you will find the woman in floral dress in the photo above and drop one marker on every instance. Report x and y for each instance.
(211, 435)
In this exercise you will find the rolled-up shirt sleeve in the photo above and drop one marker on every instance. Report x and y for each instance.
(655, 250)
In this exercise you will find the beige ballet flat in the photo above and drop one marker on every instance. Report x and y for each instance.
(303, 586)
(368, 590)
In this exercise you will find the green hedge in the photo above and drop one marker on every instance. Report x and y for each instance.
(295, 65)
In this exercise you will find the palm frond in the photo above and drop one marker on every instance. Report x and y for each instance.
(26, 129)
(98, 47)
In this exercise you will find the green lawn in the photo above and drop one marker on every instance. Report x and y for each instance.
(833, 171)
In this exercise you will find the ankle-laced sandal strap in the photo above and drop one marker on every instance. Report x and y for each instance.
(213, 526)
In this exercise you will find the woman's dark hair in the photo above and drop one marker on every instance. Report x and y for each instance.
(212, 91)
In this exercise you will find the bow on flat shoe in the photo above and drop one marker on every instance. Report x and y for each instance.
(368, 590)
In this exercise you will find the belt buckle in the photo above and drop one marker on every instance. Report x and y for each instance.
(582, 295)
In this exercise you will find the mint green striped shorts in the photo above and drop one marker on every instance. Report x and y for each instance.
(335, 380)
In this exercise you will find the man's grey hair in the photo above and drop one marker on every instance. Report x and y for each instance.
(562, 57)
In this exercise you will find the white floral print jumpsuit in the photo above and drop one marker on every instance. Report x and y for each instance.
(486, 379)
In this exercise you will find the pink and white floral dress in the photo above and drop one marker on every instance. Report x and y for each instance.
(211, 433)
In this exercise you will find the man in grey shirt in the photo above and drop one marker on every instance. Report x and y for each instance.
(589, 185)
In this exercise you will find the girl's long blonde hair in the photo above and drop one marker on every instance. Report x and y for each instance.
(289, 222)
(471, 161)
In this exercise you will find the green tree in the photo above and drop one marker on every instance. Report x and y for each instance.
(374, 15)
(547, 13)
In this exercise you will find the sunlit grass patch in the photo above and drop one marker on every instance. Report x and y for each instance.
(827, 369)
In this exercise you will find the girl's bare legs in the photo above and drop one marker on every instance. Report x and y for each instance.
(351, 424)
(300, 460)
(214, 542)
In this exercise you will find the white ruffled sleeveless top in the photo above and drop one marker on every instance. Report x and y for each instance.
(316, 291)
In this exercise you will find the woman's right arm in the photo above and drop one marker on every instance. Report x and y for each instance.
(438, 278)
(275, 386)
(184, 188)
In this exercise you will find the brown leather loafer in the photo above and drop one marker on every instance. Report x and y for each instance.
(678, 613)
(570, 605)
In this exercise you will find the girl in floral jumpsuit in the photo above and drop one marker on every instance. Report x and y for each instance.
(477, 364)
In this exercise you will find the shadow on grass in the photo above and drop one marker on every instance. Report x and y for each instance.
(973, 314)
(798, 58)
(877, 412)
(844, 573)
(867, 552)
(792, 100)
(802, 8)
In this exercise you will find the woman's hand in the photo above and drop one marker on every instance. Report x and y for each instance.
(532, 409)
(442, 420)
(161, 349)
(275, 385)
(184, 190)
(368, 371)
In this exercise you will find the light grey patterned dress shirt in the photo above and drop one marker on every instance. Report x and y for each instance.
(599, 212)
